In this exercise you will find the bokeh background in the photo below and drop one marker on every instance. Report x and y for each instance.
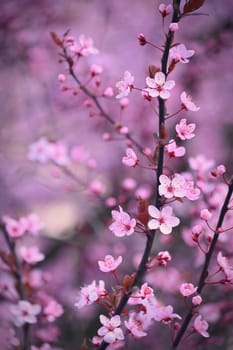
(32, 105)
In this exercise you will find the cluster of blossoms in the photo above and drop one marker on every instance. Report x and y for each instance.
(28, 302)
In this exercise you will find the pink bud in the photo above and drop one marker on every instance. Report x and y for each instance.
(205, 214)
(174, 26)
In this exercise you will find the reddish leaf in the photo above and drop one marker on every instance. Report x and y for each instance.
(192, 5)
(56, 40)
(152, 70)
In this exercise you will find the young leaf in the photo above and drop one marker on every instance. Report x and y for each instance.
(192, 5)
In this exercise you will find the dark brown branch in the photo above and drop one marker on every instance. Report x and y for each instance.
(208, 257)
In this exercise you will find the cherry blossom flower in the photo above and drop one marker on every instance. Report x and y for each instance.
(13, 227)
(32, 223)
(165, 9)
(96, 69)
(31, 254)
(91, 293)
(39, 151)
(221, 169)
(225, 266)
(110, 331)
(123, 225)
(164, 220)
(109, 264)
(174, 187)
(117, 344)
(174, 26)
(84, 47)
(201, 326)
(205, 214)
(173, 150)
(137, 324)
(158, 86)
(59, 153)
(25, 312)
(184, 130)
(179, 53)
(196, 300)
(165, 314)
(200, 163)
(138, 297)
(53, 310)
(187, 102)
(125, 86)
(187, 289)
(163, 258)
(130, 159)
(191, 192)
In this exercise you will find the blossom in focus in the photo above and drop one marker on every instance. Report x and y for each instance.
(187, 289)
(137, 324)
(165, 314)
(158, 86)
(174, 187)
(130, 159)
(110, 331)
(123, 225)
(179, 53)
(187, 102)
(173, 150)
(164, 220)
(125, 86)
(24, 312)
(109, 264)
(201, 326)
(31, 254)
(184, 130)
(91, 293)
(39, 151)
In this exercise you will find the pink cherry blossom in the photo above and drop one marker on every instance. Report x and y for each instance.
(179, 53)
(164, 220)
(110, 331)
(125, 86)
(130, 159)
(109, 264)
(137, 324)
(196, 300)
(225, 266)
(13, 227)
(174, 187)
(53, 310)
(90, 294)
(123, 225)
(165, 9)
(32, 223)
(191, 192)
(187, 289)
(39, 151)
(31, 254)
(173, 150)
(205, 214)
(163, 258)
(184, 130)
(174, 26)
(96, 69)
(165, 314)
(200, 163)
(201, 326)
(59, 154)
(187, 102)
(25, 312)
(158, 86)
(84, 47)
(139, 297)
